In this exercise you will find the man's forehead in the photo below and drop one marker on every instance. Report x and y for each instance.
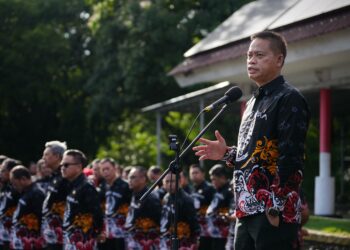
(47, 150)
(104, 164)
(134, 171)
(65, 157)
(170, 177)
(259, 45)
(195, 170)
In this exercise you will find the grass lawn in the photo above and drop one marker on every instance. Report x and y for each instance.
(329, 225)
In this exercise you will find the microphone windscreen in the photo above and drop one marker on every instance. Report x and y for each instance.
(234, 93)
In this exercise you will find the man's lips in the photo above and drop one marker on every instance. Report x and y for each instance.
(252, 70)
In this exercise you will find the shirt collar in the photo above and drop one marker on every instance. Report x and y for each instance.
(80, 178)
(268, 88)
(140, 193)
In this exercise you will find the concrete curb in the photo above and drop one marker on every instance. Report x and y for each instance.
(338, 239)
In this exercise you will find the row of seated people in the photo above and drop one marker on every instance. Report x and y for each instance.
(69, 210)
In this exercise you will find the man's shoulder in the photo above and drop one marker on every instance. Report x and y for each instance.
(208, 186)
(87, 185)
(289, 90)
(187, 198)
(121, 183)
(152, 196)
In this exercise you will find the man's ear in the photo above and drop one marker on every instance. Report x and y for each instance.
(58, 157)
(280, 60)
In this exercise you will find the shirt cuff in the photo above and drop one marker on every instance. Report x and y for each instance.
(230, 156)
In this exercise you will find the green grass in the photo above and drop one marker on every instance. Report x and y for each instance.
(329, 225)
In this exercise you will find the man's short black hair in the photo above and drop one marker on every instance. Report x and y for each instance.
(140, 169)
(78, 156)
(218, 170)
(20, 172)
(155, 170)
(10, 163)
(199, 167)
(109, 160)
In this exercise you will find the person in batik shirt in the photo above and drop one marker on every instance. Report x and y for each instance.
(202, 195)
(218, 210)
(153, 174)
(43, 176)
(57, 190)
(268, 160)
(118, 196)
(188, 229)
(83, 217)
(26, 220)
(142, 221)
(8, 201)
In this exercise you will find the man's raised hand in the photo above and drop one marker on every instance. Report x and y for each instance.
(212, 150)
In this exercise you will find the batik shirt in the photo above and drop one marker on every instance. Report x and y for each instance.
(231, 231)
(160, 192)
(8, 203)
(43, 184)
(118, 197)
(83, 217)
(218, 212)
(142, 222)
(188, 229)
(202, 196)
(53, 209)
(25, 233)
(268, 166)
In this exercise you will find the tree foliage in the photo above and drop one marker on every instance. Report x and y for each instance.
(145, 42)
(70, 69)
(137, 44)
(42, 70)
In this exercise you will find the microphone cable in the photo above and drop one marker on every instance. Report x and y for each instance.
(191, 128)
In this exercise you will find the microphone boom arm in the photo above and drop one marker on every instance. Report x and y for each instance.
(144, 196)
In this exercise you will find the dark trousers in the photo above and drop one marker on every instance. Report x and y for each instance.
(5, 246)
(255, 232)
(54, 247)
(112, 244)
(208, 243)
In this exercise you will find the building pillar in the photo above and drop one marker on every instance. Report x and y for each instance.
(325, 184)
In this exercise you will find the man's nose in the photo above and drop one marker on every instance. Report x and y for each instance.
(251, 60)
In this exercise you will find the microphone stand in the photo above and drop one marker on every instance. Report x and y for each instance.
(174, 167)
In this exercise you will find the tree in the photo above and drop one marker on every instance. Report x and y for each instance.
(136, 45)
(43, 57)
(69, 69)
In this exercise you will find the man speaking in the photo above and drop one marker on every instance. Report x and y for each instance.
(268, 159)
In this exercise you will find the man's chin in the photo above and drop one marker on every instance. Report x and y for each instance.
(252, 77)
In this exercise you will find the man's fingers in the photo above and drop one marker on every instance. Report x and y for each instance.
(200, 153)
(219, 136)
(200, 147)
(203, 157)
(204, 141)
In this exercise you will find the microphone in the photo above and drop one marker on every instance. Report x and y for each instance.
(231, 95)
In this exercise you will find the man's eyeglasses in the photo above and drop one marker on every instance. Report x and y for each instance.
(66, 165)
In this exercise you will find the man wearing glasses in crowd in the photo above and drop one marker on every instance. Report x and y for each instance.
(83, 217)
